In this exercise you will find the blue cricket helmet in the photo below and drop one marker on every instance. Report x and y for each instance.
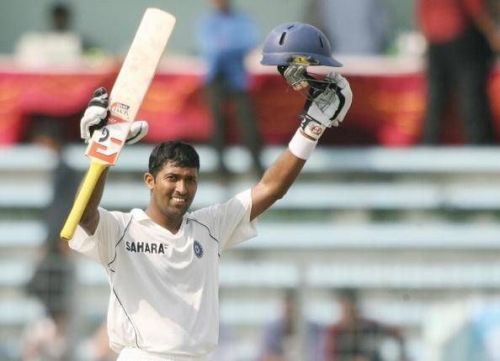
(297, 43)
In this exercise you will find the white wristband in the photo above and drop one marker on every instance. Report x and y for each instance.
(301, 146)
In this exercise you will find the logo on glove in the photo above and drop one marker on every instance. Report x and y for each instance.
(316, 129)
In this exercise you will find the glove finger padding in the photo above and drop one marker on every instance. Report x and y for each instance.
(344, 94)
(138, 130)
(330, 105)
(95, 116)
(100, 97)
(326, 106)
(296, 76)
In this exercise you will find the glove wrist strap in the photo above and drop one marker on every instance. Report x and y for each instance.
(311, 127)
(301, 146)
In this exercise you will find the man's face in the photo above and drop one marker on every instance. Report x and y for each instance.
(173, 189)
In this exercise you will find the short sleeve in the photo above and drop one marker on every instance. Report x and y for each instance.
(230, 221)
(100, 246)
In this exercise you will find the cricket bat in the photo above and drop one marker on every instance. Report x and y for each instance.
(125, 99)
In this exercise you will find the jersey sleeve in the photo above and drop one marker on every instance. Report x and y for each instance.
(230, 221)
(100, 246)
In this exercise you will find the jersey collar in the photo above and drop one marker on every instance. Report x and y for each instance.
(141, 216)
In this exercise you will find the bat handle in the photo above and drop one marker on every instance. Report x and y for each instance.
(82, 199)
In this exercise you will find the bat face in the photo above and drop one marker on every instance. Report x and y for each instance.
(111, 138)
(109, 143)
(131, 85)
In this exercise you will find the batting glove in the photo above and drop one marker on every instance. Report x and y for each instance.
(295, 75)
(138, 130)
(327, 105)
(96, 116)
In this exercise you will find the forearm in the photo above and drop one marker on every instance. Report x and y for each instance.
(90, 217)
(275, 182)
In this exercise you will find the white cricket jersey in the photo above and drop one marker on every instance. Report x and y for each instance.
(164, 286)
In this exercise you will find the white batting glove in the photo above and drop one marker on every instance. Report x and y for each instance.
(295, 75)
(138, 130)
(328, 106)
(96, 114)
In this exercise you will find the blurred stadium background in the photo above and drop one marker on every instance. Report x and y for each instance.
(414, 229)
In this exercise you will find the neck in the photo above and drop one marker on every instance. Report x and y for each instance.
(172, 224)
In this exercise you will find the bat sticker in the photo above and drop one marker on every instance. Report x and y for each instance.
(104, 134)
(120, 109)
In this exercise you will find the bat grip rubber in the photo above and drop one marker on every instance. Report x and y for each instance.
(82, 199)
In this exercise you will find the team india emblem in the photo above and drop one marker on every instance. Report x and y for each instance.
(198, 250)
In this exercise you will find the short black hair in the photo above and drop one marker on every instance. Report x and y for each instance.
(60, 16)
(179, 153)
(59, 9)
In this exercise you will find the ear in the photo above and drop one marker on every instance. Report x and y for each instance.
(149, 180)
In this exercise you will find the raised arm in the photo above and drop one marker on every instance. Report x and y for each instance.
(275, 182)
(90, 217)
(327, 105)
(95, 117)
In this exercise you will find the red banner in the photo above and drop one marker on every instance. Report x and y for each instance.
(387, 109)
